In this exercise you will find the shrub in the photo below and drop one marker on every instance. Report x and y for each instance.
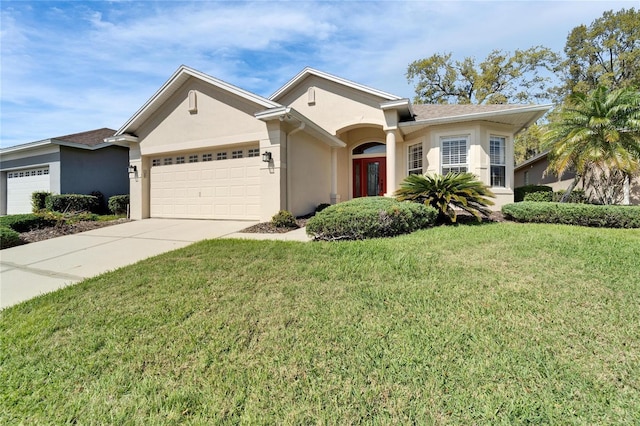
(322, 207)
(101, 206)
(540, 196)
(520, 192)
(118, 204)
(577, 196)
(284, 219)
(447, 193)
(9, 237)
(369, 217)
(71, 203)
(574, 214)
(26, 222)
(38, 200)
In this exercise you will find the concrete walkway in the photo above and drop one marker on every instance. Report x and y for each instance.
(37, 268)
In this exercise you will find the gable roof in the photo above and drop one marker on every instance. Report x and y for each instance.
(538, 157)
(308, 71)
(182, 74)
(92, 139)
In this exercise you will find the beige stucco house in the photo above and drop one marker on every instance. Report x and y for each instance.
(203, 148)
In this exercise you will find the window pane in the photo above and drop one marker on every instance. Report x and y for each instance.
(498, 176)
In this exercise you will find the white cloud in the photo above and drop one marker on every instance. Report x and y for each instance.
(80, 65)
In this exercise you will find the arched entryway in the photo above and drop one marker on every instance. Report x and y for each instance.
(369, 165)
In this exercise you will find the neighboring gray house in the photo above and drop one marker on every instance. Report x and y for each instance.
(533, 172)
(73, 164)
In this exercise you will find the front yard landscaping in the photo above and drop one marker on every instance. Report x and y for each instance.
(496, 323)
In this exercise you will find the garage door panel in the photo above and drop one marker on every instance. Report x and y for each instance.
(227, 189)
(21, 184)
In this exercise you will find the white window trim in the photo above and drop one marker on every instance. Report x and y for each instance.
(503, 164)
(458, 165)
(410, 159)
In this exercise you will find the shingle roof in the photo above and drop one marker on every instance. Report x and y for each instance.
(90, 138)
(429, 111)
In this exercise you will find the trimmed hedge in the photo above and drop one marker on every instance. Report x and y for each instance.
(574, 214)
(520, 192)
(9, 238)
(539, 196)
(118, 204)
(370, 217)
(39, 200)
(72, 203)
(26, 222)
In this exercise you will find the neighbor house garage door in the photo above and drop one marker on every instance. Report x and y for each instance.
(226, 189)
(21, 184)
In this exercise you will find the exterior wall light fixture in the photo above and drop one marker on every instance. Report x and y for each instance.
(132, 168)
(266, 157)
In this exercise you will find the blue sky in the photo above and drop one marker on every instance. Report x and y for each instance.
(73, 66)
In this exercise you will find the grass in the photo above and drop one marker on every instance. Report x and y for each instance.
(493, 324)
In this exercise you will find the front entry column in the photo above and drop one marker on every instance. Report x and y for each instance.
(391, 162)
(334, 196)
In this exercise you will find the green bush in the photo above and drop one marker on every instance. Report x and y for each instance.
(72, 203)
(118, 204)
(540, 196)
(574, 214)
(26, 222)
(284, 219)
(577, 196)
(38, 200)
(9, 237)
(520, 192)
(369, 217)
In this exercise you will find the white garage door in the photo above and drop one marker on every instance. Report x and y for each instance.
(21, 184)
(226, 189)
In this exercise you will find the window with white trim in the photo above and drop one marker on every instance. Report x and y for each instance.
(207, 157)
(454, 154)
(253, 152)
(193, 158)
(155, 162)
(168, 161)
(236, 154)
(221, 156)
(414, 166)
(45, 171)
(179, 160)
(497, 146)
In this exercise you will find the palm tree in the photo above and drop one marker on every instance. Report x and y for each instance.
(596, 131)
(446, 193)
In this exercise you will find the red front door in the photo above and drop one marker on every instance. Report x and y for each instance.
(369, 177)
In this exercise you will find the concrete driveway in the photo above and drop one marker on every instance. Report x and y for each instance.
(32, 269)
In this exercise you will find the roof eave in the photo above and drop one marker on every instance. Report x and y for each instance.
(148, 107)
(289, 114)
(311, 71)
(538, 110)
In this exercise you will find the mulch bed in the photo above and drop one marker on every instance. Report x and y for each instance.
(268, 228)
(66, 229)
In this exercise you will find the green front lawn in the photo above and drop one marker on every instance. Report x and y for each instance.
(498, 323)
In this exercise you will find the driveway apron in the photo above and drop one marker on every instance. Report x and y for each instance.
(32, 269)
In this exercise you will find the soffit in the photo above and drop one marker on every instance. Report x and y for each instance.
(516, 116)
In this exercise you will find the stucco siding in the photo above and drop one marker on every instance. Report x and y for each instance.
(221, 118)
(310, 176)
(336, 107)
(104, 170)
